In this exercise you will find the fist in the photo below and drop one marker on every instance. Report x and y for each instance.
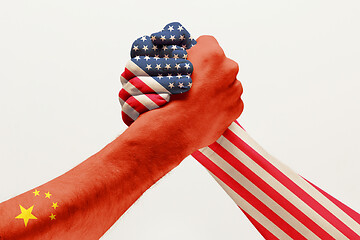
(201, 115)
(158, 68)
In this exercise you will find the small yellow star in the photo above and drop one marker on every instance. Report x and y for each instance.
(52, 217)
(55, 205)
(36, 193)
(26, 214)
(47, 195)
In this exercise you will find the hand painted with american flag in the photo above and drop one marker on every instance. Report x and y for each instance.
(158, 68)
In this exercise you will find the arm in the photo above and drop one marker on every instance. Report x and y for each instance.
(278, 201)
(88, 199)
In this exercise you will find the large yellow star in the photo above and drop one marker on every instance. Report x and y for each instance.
(26, 214)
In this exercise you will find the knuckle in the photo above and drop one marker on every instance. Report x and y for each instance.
(232, 67)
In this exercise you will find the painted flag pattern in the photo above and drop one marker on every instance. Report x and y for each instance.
(29, 212)
(157, 69)
(279, 202)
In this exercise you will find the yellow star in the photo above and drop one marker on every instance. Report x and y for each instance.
(36, 193)
(55, 205)
(26, 214)
(52, 217)
(47, 195)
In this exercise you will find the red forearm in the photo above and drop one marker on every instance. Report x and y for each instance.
(88, 199)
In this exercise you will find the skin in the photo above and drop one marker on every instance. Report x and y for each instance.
(94, 194)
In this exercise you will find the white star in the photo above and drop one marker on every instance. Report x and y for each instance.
(187, 65)
(156, 57)
(171, 85)
(188, 75)
(143, 38)
(172, 37)
(160, 76)
(184, 46)
(191, 38)
(173, 47)
(181, 85)
(164, 47)
(163, 38)
(171, 28)
(166, 56)
(154, 48)
(177, 66)
(180, 28)
(185, 56)
(136, 48)
(148, 66)
(190, 84)
(169, 75)
(153, 38)
(146, 58)
(182, 37)
(176, 56)
(158, 66)
(137, 58)
(178, 75)
(145, 48)
(167, 66)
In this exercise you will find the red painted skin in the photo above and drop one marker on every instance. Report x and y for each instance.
(94, 194)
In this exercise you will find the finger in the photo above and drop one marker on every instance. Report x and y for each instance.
(173, 33)
(136, 105)
(145, 66)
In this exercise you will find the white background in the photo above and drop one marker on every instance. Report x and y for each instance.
(60, 63)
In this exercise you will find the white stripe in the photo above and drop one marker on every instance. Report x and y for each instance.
(136, 70)
(259, 194)
(280, 188)
(147, 102)
(154, 85)
(253, 212)
(123, 80)
(132, 113)
(307, 187)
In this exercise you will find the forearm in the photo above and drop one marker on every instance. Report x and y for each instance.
(88, 199)
(277, 200)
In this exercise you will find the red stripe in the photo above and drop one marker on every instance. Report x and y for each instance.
(251, 199)
(136, 105)
(354, 215)
(139, 84)
(239, 124)
(271, 192)
(263, 231)
(127, 74)
(126, 119)
(144, 88)
(281, 177)
(124, 95)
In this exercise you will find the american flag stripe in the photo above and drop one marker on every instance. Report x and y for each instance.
(279, 209)
(247, 207)
(296, 183)
(234, 156)
(269, 194)
(136, 70)
(350, 212)
(282, 184)
(262, 230)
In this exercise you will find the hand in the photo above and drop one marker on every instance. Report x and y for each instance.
(156, 70)
(201, 115)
